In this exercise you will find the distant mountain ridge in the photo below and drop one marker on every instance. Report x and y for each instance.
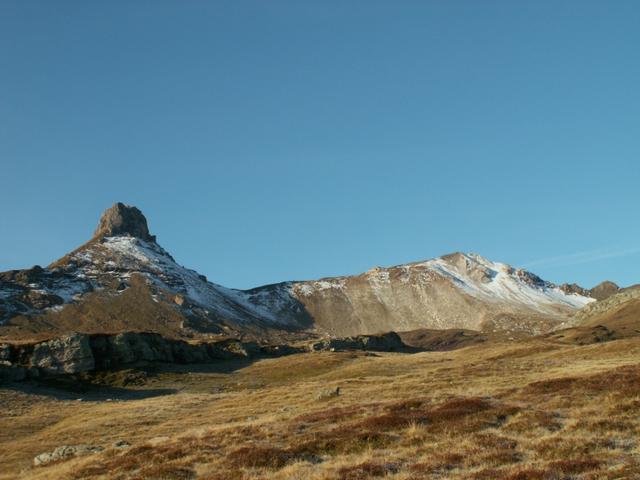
(122, 278)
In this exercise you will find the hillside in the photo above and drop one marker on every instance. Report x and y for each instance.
(458, 290)
(533, 409)
(615, 317)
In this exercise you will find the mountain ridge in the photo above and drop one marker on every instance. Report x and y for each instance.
(457, 290)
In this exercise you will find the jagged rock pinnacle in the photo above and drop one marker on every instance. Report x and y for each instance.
(121, 219)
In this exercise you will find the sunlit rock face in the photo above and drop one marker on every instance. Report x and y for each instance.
(123, 219)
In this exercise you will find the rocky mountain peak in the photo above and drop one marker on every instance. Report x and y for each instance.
(121, 219)
(604, 290)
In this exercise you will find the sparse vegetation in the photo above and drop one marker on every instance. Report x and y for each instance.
(515, 411)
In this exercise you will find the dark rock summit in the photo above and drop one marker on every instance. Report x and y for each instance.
(123, 219)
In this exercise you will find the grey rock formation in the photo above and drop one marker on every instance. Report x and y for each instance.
(328, 393)
(386, 342)
(69, 354)
(81, 352)
(123, 219)
(64, 452)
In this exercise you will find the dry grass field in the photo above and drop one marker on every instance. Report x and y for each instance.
(534, 409)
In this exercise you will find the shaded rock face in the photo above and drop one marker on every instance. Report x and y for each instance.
(112, 351)
(70, 354)
(23, 291)
(5, 353)
(386, 342)
(81, 352)
(123, 219)
(40, 300)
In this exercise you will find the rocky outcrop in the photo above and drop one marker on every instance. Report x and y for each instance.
(70, 354)
(599, 292)
(82, 352)
(33, 290)
(385, 342)
(113, 351)
(123, 219)
(64, 452)
(570, 288)
(12, 373)
(604, 290)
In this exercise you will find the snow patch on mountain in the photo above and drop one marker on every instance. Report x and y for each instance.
(499, 282)
(134, 255)
(473, 274)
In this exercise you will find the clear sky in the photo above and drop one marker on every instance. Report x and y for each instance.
(276, 140)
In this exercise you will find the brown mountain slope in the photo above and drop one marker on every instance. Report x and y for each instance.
(617, 316)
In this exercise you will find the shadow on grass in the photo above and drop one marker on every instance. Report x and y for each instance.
(130, 383)
(67, 389)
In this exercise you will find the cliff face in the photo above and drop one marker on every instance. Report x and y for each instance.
(77, 353)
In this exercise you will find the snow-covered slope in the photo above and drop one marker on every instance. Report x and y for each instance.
(499, 282)
(121, 256)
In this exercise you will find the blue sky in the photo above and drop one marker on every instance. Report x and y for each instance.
(268, 141)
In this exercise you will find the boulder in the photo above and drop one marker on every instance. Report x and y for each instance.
(327, 393)
(64, 452)
(69, 354)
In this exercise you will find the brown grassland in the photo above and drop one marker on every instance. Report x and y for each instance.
(533, 409)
